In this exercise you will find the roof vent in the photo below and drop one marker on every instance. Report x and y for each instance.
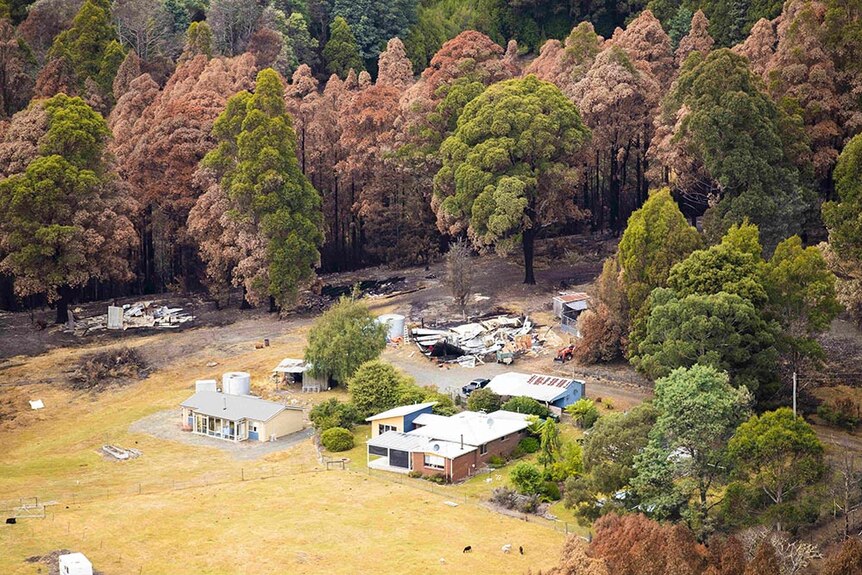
(436, 447)
(490, 422)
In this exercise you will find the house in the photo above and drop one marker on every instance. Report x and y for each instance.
(399, 418)
(567, 307)
(454, 447)
(75, 564)
(291, 370)
(555, 392)
(239, 417)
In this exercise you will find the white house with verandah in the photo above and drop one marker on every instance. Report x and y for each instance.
(239, 417)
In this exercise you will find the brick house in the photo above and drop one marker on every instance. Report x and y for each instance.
(455, 447)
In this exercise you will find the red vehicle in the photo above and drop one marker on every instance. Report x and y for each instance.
(565, 354)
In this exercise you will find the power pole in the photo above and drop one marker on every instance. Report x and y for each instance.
(794, 394)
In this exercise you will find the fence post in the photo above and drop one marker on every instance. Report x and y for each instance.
(242, 474)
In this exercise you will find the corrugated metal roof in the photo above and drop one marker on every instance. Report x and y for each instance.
(471, 427)
(572, 297)
(540, 387)
(234, 407)
(402, 410)
(414, 443)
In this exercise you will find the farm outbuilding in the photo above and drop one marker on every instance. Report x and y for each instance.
(399, 418)
(239, 417)
(568, 307)
(298, 371)
(555, 392)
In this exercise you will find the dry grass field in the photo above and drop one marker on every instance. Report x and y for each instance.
(184, 509)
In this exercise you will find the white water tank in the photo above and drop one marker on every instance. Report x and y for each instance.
(75, 564)
(394, 325)
(206, 385)
(236, 383)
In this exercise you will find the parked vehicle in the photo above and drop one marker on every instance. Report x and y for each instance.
(474, 385)
(565, 354)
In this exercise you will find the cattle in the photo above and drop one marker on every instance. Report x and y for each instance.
(507, 548)
(468, 549)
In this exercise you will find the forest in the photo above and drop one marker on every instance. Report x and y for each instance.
(148, 145)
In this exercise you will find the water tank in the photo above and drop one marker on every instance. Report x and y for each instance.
(205, 385)
(236, 383)
(394, 323)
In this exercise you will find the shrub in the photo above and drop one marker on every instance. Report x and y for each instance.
(551, 490)
(337, 439)
(333, 413)
(584, 413)
(438, 478)
(510, 499)
(483, 400)
(527, 478)
(526, 405)
(496, 461)
(414, 474)
(529, 445)
(842, 413)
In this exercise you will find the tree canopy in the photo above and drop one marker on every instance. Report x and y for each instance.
(342, 339)
(509, 165)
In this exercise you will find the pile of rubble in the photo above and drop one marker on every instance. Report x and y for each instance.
(120, 453)
(130, 316)
(501, 338)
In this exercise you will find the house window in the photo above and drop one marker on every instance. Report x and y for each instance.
(381, 428)
(483, 449)
(504, 438)
(434, 462)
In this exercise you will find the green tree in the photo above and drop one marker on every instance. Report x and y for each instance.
(90, 45)
(337, 439)
(527, 478)
(341, 52)
(740, 137)
(734, 266)
(199, 40)
(526, 405)
(255, 164)
(613, 443)
(698, 411)
(377, 386)
(374, 22)
(63, 221)
(584, 413)
(778, 453)
(509, 168)
(333, 413)
(844, 217)
(802, 297)
(657, 237)
(550, 443)
(720, 330)
(342, 339)
(483, 400)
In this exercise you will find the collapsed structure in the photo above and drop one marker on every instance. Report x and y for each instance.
(501, 338)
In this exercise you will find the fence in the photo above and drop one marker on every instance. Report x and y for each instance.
(455, 494)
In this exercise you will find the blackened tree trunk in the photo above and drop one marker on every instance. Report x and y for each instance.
(528, 237)
(65, 293)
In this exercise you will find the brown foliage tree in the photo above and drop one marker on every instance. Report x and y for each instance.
(759, 46)
(17, 70)
(697, 40)
(646, 41)
(802, 69)
(128, 71)
(158, 157)
(46, 19)
(394, 68)
(575, 560)
(20, 142)
(848, 561)
(566, 64)
(764, 562)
